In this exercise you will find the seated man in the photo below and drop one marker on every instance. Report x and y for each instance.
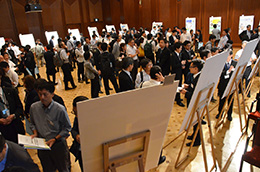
(11, 154)
(156, 77)
(195, 69)
(125, 78)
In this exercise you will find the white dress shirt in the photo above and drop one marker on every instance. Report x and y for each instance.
(150, 83)
(138, 81)
(13, 77)
(131, 51)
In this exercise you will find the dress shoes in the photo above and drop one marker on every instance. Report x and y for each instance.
(180, 104)
(229, 118)
(195, 144)
(74, 87)
(203, 122)
(101, 92)
(190, 137)
(68, 88)
(161, 160)
(110, 88)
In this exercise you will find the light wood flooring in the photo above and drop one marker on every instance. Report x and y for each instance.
(225, 138)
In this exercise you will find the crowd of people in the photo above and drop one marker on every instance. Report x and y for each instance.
(130, 60)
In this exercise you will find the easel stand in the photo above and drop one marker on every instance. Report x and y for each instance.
(252, 78)
(140, 156)
(201, 109)
(237, 81)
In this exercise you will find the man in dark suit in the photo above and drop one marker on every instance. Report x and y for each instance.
(51, 42)
(187, 56)
(11, 154)
(246, 34)
(176, 68)
(223, 82)
(125, 79)
(195, 69)
(11, 113)
(50, 67)
(163, 57)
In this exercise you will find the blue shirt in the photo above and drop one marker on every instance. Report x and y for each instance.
(2, 163)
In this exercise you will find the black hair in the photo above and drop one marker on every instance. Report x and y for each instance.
(184, 28)
(99, 43)
(204, 53)
(2, 142)
(176, 46)
(215, 26)
(86, 55)
(15, 169)
(77, 43)
(164, 40)
(85, 48)
(39, 82)
(198, 63)
(144, 62)
(104, 46)
(68, 37)
(186, 43)
(226, 30)
(248, 26)
(48, 47)
(212, 37)
(155, 70)
(199, 31)
(4, 64)
(214, 49)
(78, 99)
(149, 36)
(126, 62)
(122, 46)
(174, 31)
(47, 86)
(52, 37)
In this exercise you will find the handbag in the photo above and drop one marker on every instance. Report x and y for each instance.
(141, 52)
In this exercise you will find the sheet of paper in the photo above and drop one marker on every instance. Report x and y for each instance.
(36, 143)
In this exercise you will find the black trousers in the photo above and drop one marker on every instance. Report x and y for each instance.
(178, 77)
(112, 78)
(80, 71)
(221, 104)
(135, 70)
(53, 78)
(95, 87)
(67, 77)
(57, 158)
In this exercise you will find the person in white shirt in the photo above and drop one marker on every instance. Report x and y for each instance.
(80, 61)
(185, 36)
(168, 34)
(10, 63)
(132, 52)
(223, 39)
(144, 75)
(146, 31)
(248, 70)
(13, 76)
(156, 77)
(154, 31)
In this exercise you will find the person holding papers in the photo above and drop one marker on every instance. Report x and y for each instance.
(49, 120)
(13, 155)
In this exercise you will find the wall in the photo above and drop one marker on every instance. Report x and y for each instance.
(60, 15)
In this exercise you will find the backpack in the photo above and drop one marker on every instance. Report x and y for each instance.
(148, 49)
(57, 60)
(106, 64)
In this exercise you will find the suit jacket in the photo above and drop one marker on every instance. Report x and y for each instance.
(75, 148)
(224, 79)
(18, 156)
(90, 71)
(50, 67)
(96, 57)
(29, 60)
(186, 56)
(244, 37)
(176, 66)
(191, 89)
(125, 82)
(164, 59)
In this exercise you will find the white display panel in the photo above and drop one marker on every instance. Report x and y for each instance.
(75, 32)
(244, 21)
(124, 26)
(190, 24)
(157, 24)
(254, 69)
(212, 21)
(2, 42)
(210, 74)
(110, 27)
(48, 36)
(118, 115)
(27, 39)
(91, 31)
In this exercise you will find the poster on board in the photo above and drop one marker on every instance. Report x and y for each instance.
(92, 31)
(212, 21)
(75, 32)
(27, 39)
(107, 118)
(2, 42)
(244, 21)
(157, 24)
(190, 24)
(110, 27)
(124, 26)
(48, 36)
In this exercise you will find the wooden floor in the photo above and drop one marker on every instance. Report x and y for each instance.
(225, 138)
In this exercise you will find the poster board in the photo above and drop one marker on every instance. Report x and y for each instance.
(75, 32)
(245, 57)
(212, 21)
(110, 27)
(244, 21)
(107, 118)
(190, 24)
(210, 73)
(254, 69)
(91, 30)
(27, 39)
(2, 42)
(124, 26)
(157, 24)
(48, 36)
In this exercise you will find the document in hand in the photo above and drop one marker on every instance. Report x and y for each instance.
(35, 143)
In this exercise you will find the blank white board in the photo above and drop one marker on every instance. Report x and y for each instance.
(91, 30)
(75, 32)
(2, 41)
(48, 36)
(210, 73)
(27, 39)
(245, 57)
(110, 27)
(124, 26)
(115, 116)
